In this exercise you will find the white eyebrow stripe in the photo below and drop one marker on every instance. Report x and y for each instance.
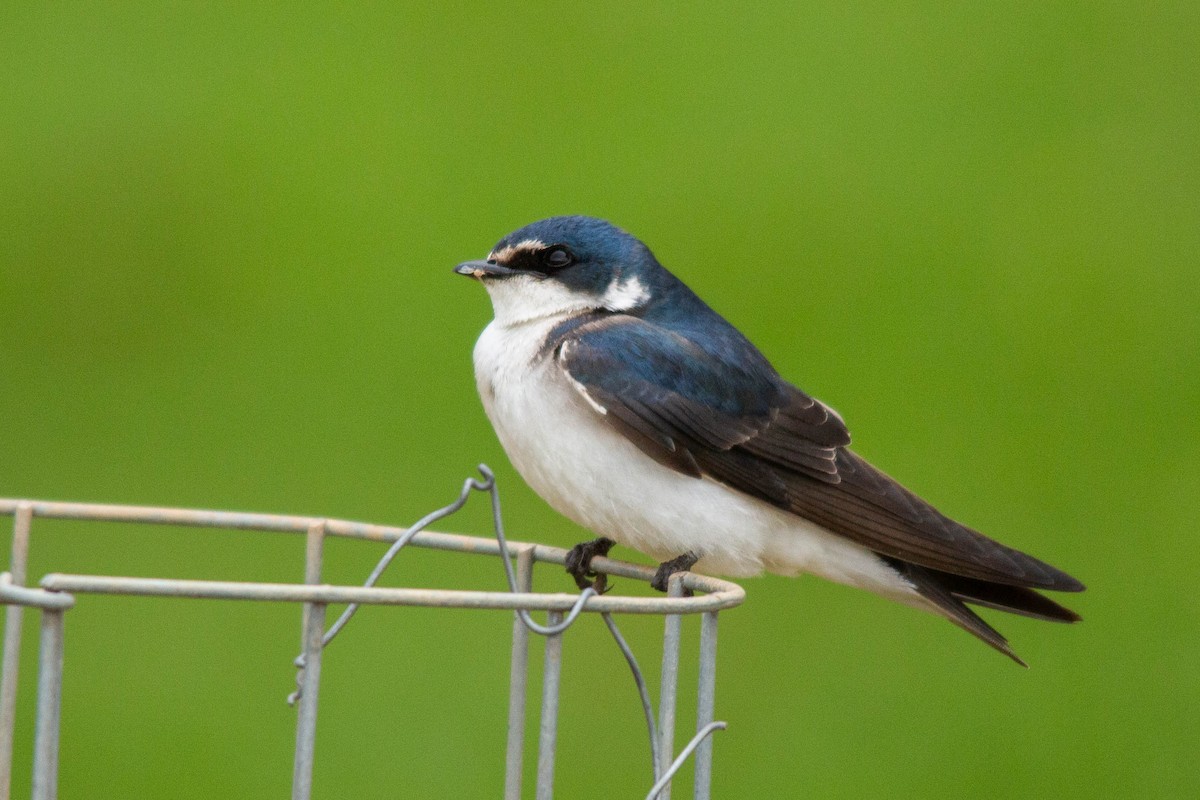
(527, 245)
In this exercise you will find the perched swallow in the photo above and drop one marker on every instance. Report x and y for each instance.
(637, 411)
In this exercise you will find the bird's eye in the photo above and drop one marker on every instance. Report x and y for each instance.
(558, 257)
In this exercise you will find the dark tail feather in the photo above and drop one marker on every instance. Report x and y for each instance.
(948, 592)
(1013, 599)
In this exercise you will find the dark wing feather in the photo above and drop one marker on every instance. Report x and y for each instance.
(678, 399)
(725, 413)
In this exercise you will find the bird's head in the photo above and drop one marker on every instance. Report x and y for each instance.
(563, 266)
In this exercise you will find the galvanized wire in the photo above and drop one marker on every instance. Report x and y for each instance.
(469, 485)
(488, 484)
(553, 652)
(12, 583)
(643, 691)
(56, 591)
(701, 737)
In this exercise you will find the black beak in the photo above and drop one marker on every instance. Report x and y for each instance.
(483, 269)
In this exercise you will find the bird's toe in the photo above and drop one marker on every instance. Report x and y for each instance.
(578, 563)
(662, 578)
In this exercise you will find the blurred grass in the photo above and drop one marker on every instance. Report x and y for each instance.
(224, 282)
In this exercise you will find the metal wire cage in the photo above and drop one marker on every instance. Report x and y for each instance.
(688, 594)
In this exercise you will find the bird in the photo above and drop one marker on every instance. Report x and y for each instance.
(637, 411)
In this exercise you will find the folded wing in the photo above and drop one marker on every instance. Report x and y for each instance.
(723, 412)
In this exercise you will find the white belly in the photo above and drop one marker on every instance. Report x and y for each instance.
(590, 473)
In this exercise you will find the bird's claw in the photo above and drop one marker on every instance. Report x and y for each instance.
(662, 578)
(579, 564)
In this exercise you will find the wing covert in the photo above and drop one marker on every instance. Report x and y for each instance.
(677, 401)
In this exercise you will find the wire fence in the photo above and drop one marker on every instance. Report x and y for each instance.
(57, 593)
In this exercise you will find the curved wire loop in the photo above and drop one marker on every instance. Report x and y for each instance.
(488, 484)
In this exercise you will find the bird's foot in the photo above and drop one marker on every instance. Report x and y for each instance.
(579, 563)
(668, 568)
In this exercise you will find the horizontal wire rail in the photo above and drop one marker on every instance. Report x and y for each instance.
(57, 594)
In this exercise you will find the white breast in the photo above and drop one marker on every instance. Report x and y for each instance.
(582, 467)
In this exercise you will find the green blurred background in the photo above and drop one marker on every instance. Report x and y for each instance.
(225, 283)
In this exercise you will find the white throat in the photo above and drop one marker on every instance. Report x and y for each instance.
(520, 299)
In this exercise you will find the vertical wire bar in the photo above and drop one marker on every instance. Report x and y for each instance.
(49, 706)
(705, 703)
(669, 683)
(517, 684)
(22, 520)
(314, 633)
(551, 672)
